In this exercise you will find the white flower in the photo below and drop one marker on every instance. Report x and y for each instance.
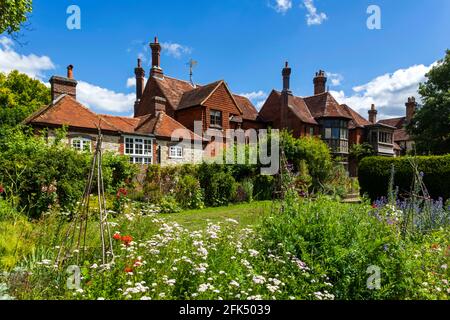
(94, 266)
(145, 298)
(253, 253)
(234, 283)
(259, 279)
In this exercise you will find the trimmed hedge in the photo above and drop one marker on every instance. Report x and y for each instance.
(374, 175)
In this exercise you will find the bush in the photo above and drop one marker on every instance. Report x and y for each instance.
(374, 173)
(188, 193)
(264, 187)
(314, 152)
(38, 175)
(244, 191)
(221, 190)
(169, 204)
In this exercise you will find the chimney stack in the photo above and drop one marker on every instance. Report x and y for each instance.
(286, 78)
(156, 59)
(411, 107)
(64, 85)
(159, 104)
(373, 114)
(140, 80)
(320, 81)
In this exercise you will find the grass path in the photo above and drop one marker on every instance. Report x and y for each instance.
(246, 214)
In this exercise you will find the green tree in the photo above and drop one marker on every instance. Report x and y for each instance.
(20, 96)
(430, 126)
(13, 14)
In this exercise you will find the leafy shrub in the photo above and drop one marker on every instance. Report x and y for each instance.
(264, 187)
(374, 173)
(188, 193)
(39, 175)
(169, 204)
(314, 152)
(244, 192)
(221, 191)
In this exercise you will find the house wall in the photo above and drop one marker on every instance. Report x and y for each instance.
(221, 100)
(187, 117)
(190, 154)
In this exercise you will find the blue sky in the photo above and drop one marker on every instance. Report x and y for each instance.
(244, 42)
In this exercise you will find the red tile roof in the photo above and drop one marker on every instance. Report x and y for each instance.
(357, 121)
(399, 123)
(324, 105)
(401, 135)
(68, 111)
(248, 109)
(182, 94)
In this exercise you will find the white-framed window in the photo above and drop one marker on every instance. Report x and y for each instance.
(139, 149)
(81, 144)
(176, 152)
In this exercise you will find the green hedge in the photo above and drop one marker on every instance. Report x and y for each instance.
(374, 174)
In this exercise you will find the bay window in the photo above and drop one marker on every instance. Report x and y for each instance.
(335, 134)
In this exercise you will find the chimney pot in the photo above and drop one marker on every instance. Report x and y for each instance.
(286, 78)
(411, 107)
(373, 114)
(156, 58)
(320, 81)
(70, 71)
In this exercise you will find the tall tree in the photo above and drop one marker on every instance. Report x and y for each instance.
(13, 13)
(20, 96)
(430, 126)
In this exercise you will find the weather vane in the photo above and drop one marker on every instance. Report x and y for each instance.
(192, 63)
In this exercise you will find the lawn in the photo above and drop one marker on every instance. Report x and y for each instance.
(246, 214)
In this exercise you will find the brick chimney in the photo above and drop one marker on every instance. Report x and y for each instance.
(373, 114)
(286, 78)
(285, 94)
(158, 104)
(320, 81)
(140, 80)
(64, 85)
(411, 107)
(156, 59)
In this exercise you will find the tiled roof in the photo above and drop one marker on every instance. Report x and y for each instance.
(401, 135)
(324, 105)
(182, 94)
(399, 123)
(357, 121)
(173, 89)
(68, 111)
(299, 108)
(248, 109)
(196, 96)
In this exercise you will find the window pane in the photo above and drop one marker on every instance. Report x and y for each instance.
(327, 133)
(335, 133)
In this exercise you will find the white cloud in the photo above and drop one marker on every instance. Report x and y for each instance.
(335, 78)
(257, 97)
(101, 99)
(281, 6)
(174, 49)
(388, 92)
(131, 82)
(313, 17)
(31, 64)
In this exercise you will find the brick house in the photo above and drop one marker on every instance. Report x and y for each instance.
(321, 115)
(145, 139)
(213, 104)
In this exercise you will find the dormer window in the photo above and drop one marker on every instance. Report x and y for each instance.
(81, 144)
(215, 117)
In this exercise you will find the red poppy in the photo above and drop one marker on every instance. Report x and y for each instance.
(127, 240)
(122, 192)
(117, 236)
(374, 206)
(128, 270)
(1, 189)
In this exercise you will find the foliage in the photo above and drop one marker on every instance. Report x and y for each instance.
(264, 187)
(188, 193)
(169, 204)
(40, 175)
(430, 126)
(374, 175)
(14, 241)
(311, 150)
(361, 151)
(244, 192)
(20, 96)
(13, 14)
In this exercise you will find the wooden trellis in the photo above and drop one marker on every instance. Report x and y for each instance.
(73, 246)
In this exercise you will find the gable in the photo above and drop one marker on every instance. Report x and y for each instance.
(270, 111)
(221, 99)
